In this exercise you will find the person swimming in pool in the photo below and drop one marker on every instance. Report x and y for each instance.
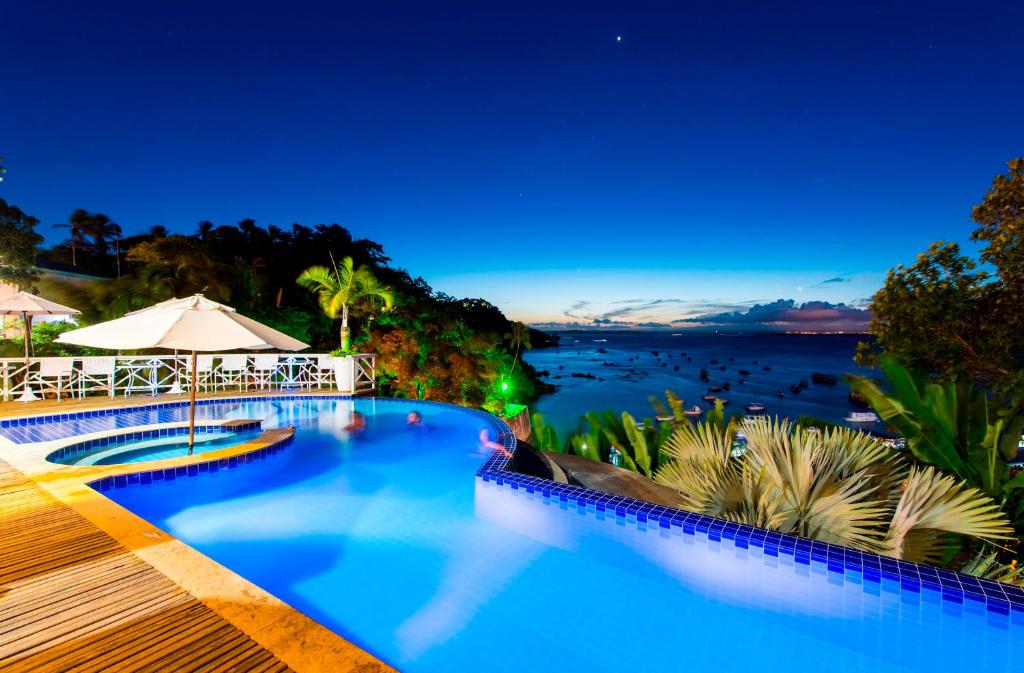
(414, 418)
(357, 425)
(486, 443)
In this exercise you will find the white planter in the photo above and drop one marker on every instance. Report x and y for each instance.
(343, 372)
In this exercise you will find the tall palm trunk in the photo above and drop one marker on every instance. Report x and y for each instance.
(345, 333)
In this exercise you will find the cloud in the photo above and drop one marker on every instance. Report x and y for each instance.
(787, 314)
(841, 278)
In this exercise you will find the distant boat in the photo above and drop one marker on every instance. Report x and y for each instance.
(755, 408)
(709, 398)
(803, 383)
(600, 341)
(862, 417)
(744, 372)
(715, 389)
(694, 411)
(795, 389)
(826, 379)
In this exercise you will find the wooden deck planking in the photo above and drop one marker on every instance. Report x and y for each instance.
(73, 599)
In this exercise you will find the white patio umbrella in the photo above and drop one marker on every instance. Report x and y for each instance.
(28, 305)
(194, 324)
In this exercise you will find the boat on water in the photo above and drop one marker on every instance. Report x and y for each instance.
(715, 389)
(600, 341)
(862, 417)
(694, 411)
(825, 379)
(795, 389)
(709, 398)
(756, 408)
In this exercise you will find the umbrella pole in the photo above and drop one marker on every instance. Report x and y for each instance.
(27, 322)
(192, 407)
(26, 394)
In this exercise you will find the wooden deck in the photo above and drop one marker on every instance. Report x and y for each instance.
(74, 599)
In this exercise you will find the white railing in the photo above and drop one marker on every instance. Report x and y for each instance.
(162, 374)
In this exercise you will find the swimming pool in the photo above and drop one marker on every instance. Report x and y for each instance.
(388, 539)
(152, 445)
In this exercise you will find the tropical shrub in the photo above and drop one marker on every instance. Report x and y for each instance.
(835, 485)
(959, 429)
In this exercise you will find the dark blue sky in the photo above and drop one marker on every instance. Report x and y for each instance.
(720, 154)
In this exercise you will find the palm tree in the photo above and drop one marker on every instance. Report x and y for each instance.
(518, 338)
(343, 286)
(101, 229)
(76, 223)
(834, 485)
(204, 230)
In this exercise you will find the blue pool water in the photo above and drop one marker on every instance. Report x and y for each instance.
(157, 448)
(389, 539)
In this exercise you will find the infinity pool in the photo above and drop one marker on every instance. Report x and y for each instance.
(388, 539)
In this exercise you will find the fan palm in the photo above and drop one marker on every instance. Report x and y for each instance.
(343, 286)
(834, 485)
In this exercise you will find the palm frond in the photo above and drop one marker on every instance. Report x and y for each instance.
(933, 503)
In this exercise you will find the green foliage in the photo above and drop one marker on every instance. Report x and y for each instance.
(951, 425)
(836, 485)
(599, 433)
(44, 344)
(986, 564)
(945, 316)
(544, 436)
(954, 426)
(341, 287)
(19, 243)
(429, 345)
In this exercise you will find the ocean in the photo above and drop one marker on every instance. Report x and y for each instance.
(628, 367)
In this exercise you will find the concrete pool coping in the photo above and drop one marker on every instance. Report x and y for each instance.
(294, 638)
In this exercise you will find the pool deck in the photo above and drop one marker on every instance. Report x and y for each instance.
(86, 585)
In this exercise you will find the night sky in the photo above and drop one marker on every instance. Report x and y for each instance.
(624, 163)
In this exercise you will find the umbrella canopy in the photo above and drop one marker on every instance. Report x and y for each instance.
(193, 324)
(27, 305)
(26, 302)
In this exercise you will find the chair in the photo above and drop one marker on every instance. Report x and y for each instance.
(231, 371)
(204, 373)
(54, 375)
(263, 369)
(96, 374)
(321, 372)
